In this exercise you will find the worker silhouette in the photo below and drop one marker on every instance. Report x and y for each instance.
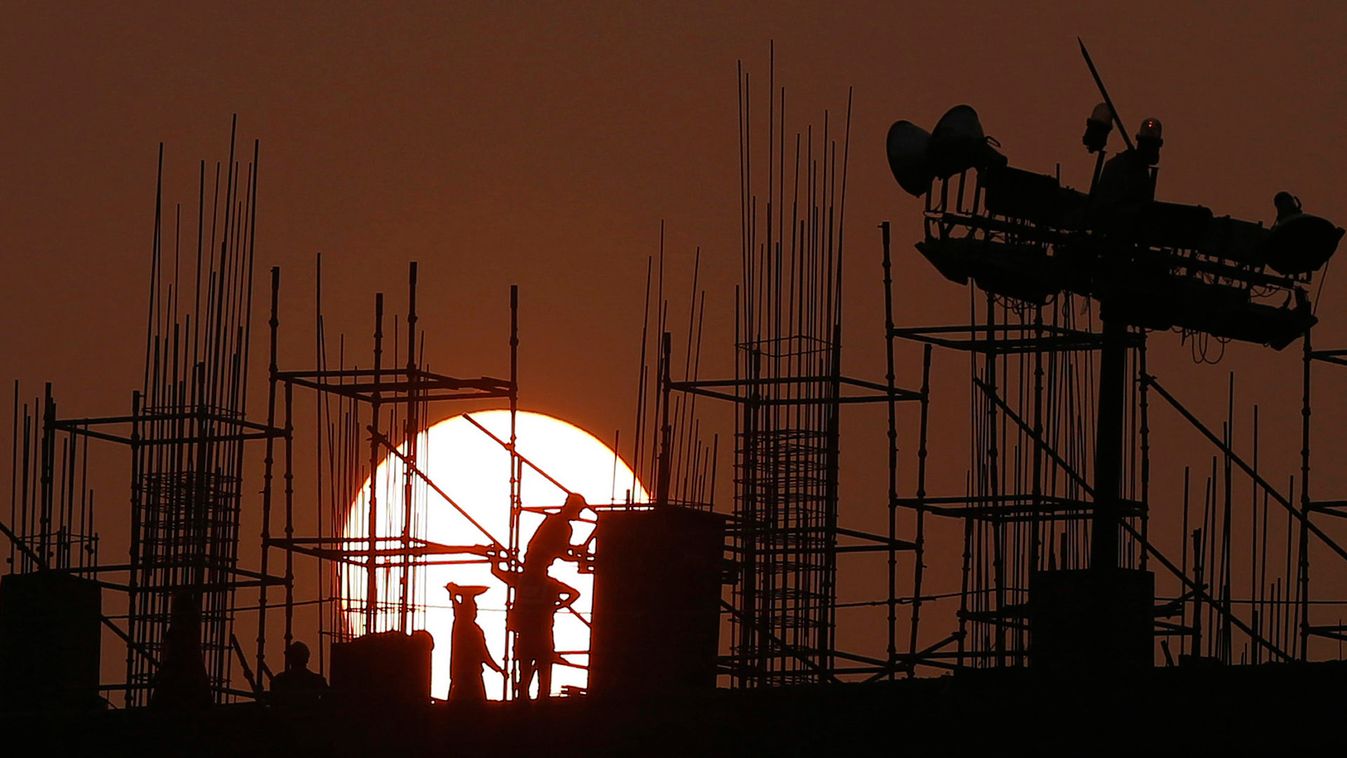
(467, 647)
(297, 685)
(1127, 183)
(538, 597)
(182, 682)
(552, 540)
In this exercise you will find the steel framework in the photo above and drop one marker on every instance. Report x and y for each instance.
(186, 435)
(786, 527)
(382, 411)
(1040, 496)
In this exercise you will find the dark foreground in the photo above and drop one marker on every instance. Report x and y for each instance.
(1284, 709)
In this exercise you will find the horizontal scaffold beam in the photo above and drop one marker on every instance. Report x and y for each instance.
(1006, 339)
(740, 390)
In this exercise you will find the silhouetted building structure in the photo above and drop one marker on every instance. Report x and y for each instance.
(1057, 556)
(49, 641)
(1056, 574)
(1091, 622)
(657, 586)
(383, 668)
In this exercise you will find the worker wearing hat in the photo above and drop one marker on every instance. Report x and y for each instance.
(467, 647)
(1127, 183)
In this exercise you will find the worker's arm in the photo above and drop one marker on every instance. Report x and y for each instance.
(500, 573)
(484, 653)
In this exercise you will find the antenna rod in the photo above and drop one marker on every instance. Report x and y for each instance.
(1098, 82)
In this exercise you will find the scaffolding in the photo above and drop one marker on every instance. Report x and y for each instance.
(1310, 506)
(1060, 403)
(1028, 504)
(788, 392)
(1060, 468)
(366, 417)
(186, 435)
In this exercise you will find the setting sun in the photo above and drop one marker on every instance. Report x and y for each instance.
(473, 470)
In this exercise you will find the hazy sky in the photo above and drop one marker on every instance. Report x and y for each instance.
(542, 144)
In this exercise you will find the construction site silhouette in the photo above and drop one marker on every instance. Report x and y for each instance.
(1100, 607)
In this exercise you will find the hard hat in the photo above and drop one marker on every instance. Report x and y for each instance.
(1151, 128)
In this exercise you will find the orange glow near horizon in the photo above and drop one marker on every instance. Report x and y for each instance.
(474, 471)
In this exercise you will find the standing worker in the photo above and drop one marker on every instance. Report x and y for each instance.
(1126, 186)
(467, 647)
(538, 597)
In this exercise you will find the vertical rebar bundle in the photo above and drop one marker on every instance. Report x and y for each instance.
(51, 507)
(188, 427)
(788, 344)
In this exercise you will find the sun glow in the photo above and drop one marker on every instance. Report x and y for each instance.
(474, 470)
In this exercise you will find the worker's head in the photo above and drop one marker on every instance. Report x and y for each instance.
(575, 502)
(464, 599)
(1287, 205)
(297, 656)
(465, 609)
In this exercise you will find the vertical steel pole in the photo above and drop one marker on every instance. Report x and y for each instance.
(919, 562)
(410, 432)
(372, 521)
(890, 382)
(516, 493)
(1303, 568)
(289, 515)
(662, 473)
(1145, 458)
(267, 466)
(1108, 446)
(133, 578)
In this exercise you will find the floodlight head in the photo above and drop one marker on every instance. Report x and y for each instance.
(1097, 128)
(958, 144)
(1299, 242)
(906, 146)
(1149, 139)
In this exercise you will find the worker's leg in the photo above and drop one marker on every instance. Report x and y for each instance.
(544, 677)
(546, 655)
(527, 665)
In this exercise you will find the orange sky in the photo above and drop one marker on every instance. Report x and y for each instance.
(542, 145)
